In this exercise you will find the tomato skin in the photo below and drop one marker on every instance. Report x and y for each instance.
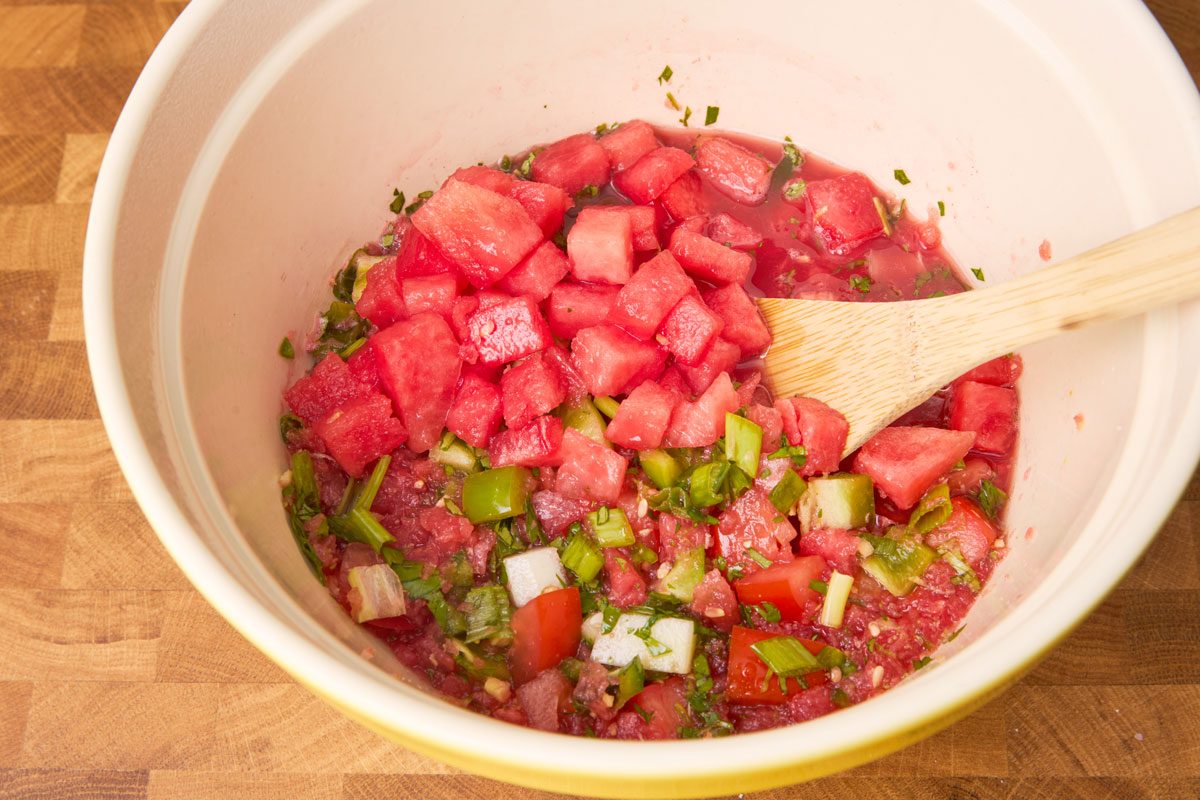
(785, 584)
(748, 675)
(545, 631)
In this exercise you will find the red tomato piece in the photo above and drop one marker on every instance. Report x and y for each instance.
(750, 680)
(663, 711)
(545, 631)
(968, 527)
(785, 585)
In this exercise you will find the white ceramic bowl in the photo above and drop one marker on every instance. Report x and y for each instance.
(262, 143)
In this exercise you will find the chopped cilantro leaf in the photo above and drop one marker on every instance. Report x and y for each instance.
(526, 165)
(665, 75)
(861, 282)
(420, 201)
(285, 348)
(710, 116)
(757, 557)
(918, 663)
(901, 177)
(791, 152)
(387, 239)
(397, 204)
(768, 611)
(978, 273)
(687, 115)
(795, 189)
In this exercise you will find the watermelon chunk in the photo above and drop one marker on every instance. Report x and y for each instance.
(722, 356)
(905, 462)
(753, 522)
(744, 325)
(715, 601)
(557, 356)
(589, 471)
(508, 329)
(967, 530)
(432, 293)
(572, 307)
(359, 432)
(642, 417)
(537, 275)
(644, 302)
(989, 411)
(474, 416)
(838, 547)
(460, 312)
(1002, 371)
(556, 513)
(611, 361)
(642, 222)
(652, 174)
(730, 232)
(709, 260)
(673, 381)
(329, 385)
(684, 198)
(546, 205)
(381, 300)
(626, 586)
(734, 171)
(628, 143)
(770, 420)
(362, 366)
(484, 233)
(529, 389)
(690, 329)
(418, 366)
(600, 246)
(701, 422)
(821, 429)
(572, 163)
(484, 177)
(843, 211)
(417, 255)
(537, 444)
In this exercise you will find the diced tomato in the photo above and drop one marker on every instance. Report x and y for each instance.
(839, 548)
(626, 586)
(628, 143)
(821, 429)
(844, 212)
(722, 356)
(734, 171)
(360, 431)
(572, 307)
(537, 444)
(529, 389)
(432, 293)
(690, 329)
(475, 414)
(973, 473)
(684, 198)
(329, 385)
(545, 631)
(1002, 371)
(663, 712)
(572, 163)
(967, 529)
(750, 680)
(543, 698)
(753, 522)
(709, 260)
(771, 421)
(730, 232)
(546, 205)
(611, 361)
(652, 174)
(905, 462)
(644, 302)
(484, 233)
(642, 417)
(600, 247)
(556, 513)
(701, 422)
(744, 325)
(537, 275)
(714, 600)
(785, 584)
(642, 222)
(507, 330)
(589, 471)
(419, 364)
(989, 411)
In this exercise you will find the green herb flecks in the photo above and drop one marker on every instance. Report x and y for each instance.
(302, 501)
(397, 204)
(687, 115)
(420, 201)
(901, 177)
(941, 208)
(795, 189)
(665, 75)
(286, 350)
(978, 273)
(991, 498)
(861, 283)
(710, 115)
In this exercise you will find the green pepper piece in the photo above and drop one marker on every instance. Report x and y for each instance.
(898, 561)
(743, 443)
(660, 467)
(495, 494)
(630, 680)
(933, 509)
(452, 452)
(684, 577)
(582, 415)
(582, 557)
(707, 482)
(789, 489)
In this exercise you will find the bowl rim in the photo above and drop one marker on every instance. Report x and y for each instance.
(754, 760)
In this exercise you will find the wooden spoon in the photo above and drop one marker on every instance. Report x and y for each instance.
(875, 361)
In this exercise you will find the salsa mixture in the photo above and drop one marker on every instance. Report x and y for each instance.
(535, 459)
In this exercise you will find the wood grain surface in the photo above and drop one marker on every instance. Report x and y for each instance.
(118, 681)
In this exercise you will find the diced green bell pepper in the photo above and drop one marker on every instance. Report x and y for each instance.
(707, 482)
(898, 561)
(454, 453)
(607, 406)
(495, 494)
(611, 527)
(582, 557)
(684, 577)
(789, 489)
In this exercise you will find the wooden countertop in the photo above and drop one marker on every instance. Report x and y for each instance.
(118, 681)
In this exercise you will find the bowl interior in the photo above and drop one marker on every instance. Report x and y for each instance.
(258, 171)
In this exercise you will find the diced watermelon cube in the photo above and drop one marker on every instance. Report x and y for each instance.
(611, 361)
(508, 329)
(485, 177)
(770, 420)
(844, 212)
(744, 325)
(536, 444)
(730, 232)
(474, 416)
(417, 255)
(381, 300)
(690, 329)
(546, 205)
(359, 432)
(556, 513)
(432, 293)
(752, 521)
(737, 173)
(626, 586)
(968, 479)
(572, 307)
(419, 364)
(709, 260)
(460, 312)
(589, 471)
(714, 601)
(967, 530)
(600, 246)
(821, 429)
(642, 222)
(642, 417)
(839, 548)
(558, 357)
(655, 289)
(572, 163)
(1002, 371)
(989, 411)
(652, 174)
(684, 198)
(722, 356)
(529, 389)
(362, 366)
(702, 421)
(628, 143)
(330, 384)
(484, 233)
(538, 274)
(905, 462)
(692, 225)
(673, 381)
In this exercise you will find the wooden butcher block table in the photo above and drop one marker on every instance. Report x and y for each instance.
(117, 680)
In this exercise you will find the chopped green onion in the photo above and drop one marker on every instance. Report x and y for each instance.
(743, 443)
(843, 500)
(302, 499)
(357, 269)
(685, 575)
(397, 204)
(836, 595)
(582, 415)
(495, 494)
(707, 481)
(933, 509)
(285, 348)
(630, 680)
(352, 348)
(710, 116)
(289, 423)
(607, 406)
(965, 575)
(488, 612)
(420, 201)
(901, 177)
(897, 563)
(861, 283)
(526, 165)
(646, 716)
(737, 483)
(387, 239)
(358, 525)
(454, 453)
(643, 555)
(758, 558)
(787, 492)
(921, 663)
(611, 527)
(687, 115)
(674, 103)
(609, 618)
(366, 498)
(978, 273)
(768, 611)
(797, 453)
(941, 209)
(991, 498)
(795, 189)
(380, 594)
(665, 75)
(786, 657)
(830, 657)
(582, 557)
(884, 217)
(820, 587)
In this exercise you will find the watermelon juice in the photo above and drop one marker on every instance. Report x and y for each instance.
(533, 455)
